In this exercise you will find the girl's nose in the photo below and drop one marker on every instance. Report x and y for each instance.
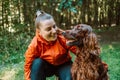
(54, 30)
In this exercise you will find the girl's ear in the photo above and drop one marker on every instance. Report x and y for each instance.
(37, 31)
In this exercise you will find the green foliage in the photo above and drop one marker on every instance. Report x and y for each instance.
(12, 47)
(69, 5)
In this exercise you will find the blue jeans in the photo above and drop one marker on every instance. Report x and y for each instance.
(41, 69)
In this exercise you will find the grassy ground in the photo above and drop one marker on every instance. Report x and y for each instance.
(111, 55)
(12, 55)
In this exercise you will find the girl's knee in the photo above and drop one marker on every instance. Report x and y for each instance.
(37, 69)
(37, 61)
(37, 64)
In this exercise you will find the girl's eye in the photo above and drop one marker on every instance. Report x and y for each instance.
(54, 26)
(48, 29)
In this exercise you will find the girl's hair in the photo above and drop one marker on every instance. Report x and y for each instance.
(41, 16)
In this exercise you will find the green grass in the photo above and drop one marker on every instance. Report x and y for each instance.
(111, 55)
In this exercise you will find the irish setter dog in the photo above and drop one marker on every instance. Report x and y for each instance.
(88, 64)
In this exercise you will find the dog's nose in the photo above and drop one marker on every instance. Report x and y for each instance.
(63, 33)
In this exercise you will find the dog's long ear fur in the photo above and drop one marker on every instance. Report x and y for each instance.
(86, 29)
(91, 43)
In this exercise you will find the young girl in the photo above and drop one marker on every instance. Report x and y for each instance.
(47, 54)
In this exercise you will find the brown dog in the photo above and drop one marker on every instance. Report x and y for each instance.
(88, 64)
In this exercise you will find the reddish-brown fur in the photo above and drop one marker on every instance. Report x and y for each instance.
(88, 64)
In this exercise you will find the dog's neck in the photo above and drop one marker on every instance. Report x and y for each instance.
(78, 50)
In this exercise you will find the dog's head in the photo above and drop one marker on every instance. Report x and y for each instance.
(81, 35)
(76, 35)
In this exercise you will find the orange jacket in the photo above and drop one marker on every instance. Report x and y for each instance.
(55, 53)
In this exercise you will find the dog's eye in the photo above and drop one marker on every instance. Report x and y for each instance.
(54, 26)
(81, 26)
(77, 28)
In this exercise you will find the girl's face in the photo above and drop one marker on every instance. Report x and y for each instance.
(48, 30)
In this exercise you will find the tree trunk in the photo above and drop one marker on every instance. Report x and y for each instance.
(83, 8)
(117, 11)
(95, 13)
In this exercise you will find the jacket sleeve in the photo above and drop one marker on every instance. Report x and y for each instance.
(29, 57)
(73, 49)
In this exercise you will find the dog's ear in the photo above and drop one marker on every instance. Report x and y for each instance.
(91, 43)
(86, 28)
